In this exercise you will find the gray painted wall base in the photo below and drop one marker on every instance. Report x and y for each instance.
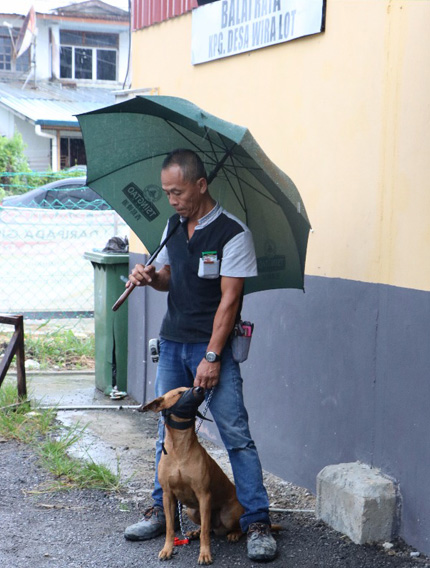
(338, 374)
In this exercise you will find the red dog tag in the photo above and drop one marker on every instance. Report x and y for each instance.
(179, 542)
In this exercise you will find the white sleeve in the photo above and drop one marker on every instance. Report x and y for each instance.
(163, 256)
(238, 256)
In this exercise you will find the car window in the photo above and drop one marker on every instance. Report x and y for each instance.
(71, 186)
(73, 194)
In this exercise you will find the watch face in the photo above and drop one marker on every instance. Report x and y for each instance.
(211, 356)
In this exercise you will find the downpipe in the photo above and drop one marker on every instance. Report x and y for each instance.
(53, 137)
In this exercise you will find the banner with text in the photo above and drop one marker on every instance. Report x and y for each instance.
(230, 27)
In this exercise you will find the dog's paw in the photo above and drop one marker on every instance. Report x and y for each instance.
(165, 554)
(234, 536)
(205, 559)
(193, 535)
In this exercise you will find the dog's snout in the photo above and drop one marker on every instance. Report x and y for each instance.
(199, 394)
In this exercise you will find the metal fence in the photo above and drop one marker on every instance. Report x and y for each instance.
(43, 272)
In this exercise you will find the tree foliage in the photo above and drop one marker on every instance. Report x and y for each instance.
(13, 164)
(15, 175)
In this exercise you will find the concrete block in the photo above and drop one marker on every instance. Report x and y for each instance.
(358, 501)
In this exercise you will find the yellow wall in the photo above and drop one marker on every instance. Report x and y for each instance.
(346, 114)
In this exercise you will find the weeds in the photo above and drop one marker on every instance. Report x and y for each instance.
(22, 423)
(39, 428)
(59, 349)
(72, 472)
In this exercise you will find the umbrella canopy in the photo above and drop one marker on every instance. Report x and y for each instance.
(126, 144)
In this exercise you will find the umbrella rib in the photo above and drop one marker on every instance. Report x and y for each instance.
(240, 198)
(195, 145)
(241, 190)
(221, 145)
(221, 164)
(235, 173)
(253, 187)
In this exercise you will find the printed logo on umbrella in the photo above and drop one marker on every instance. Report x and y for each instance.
(271, 262)
(152, 192)
(140, 202)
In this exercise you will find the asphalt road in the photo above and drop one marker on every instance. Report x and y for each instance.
(84, 529)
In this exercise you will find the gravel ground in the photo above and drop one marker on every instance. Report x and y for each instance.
(84, 529)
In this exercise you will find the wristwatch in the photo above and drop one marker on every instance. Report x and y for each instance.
(212, 357)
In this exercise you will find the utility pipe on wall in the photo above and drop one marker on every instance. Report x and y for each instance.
(54, 159)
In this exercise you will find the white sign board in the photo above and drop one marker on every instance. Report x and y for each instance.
(229, 27)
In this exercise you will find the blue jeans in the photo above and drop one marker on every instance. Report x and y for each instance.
(177, 368)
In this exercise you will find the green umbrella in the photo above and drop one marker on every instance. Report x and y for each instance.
(125, 146)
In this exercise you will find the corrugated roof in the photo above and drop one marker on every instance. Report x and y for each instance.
(21, 7)
(148, 12)
(53, 104)
(92, 9)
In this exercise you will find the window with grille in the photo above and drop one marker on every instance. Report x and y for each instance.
(8, 62)
(72, 152)
(88, 55)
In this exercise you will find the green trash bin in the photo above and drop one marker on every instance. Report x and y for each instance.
(111, 328)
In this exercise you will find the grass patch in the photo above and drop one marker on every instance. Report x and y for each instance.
(72, 472)
(57, 349)
(22, 423)
(38, 427)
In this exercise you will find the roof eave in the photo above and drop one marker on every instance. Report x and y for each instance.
(57, 123)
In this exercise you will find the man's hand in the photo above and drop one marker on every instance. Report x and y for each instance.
(207, 375)
(141, 275)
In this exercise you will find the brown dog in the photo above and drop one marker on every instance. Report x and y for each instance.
(189, 475)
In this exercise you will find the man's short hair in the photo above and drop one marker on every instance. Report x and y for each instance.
(190, 163)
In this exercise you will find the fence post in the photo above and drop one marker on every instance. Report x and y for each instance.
(15, 347)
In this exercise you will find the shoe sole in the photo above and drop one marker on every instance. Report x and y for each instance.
(149, 537)
(262, 557)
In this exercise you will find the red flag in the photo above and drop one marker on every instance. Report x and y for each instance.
(26, 33)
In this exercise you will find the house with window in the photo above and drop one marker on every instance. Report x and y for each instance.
(55, 65)
(336, 94)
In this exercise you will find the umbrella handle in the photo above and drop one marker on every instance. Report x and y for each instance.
(123, 297)
(151, 259)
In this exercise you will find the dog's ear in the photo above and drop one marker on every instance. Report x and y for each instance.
(154, 405)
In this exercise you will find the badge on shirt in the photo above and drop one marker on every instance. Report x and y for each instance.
(209, 265)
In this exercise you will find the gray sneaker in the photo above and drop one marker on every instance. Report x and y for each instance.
(153, 524)
(260, 542)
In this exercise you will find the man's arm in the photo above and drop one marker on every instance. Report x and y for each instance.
(231, 292)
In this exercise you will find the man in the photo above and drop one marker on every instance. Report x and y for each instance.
(204, 265)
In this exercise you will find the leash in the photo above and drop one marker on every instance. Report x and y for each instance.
(206, 408)
(185, 540)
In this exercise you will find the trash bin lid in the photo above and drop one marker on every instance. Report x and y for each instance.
(107, 257)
